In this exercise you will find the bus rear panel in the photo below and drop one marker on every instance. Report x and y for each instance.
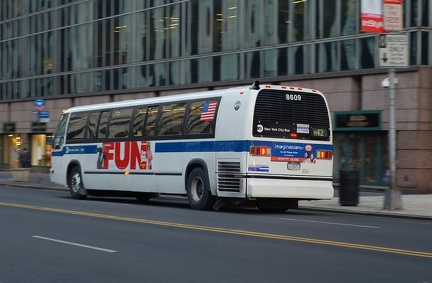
(291, 150)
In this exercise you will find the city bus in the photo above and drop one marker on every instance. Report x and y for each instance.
(268, 146)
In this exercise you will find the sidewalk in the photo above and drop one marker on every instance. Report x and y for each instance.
(413, 206)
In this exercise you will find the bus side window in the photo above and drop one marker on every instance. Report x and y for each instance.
(171, 122)
(120, 123)
(201, 118)
(150, 123)
(92, 125)
(102, 129)
(138, 121)
(77, 126)
(58, 139)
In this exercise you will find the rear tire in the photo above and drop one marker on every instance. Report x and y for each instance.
(75, 182)
(198, 190)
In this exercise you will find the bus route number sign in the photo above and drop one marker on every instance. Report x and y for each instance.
(319, 132)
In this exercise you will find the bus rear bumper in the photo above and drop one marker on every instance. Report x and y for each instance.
(296, 189)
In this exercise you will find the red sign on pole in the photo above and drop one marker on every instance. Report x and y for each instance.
(393, 20)
(372, 16)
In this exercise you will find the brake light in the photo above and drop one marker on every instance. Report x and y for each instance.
(294, 135)
(260, 151)
(324, 154)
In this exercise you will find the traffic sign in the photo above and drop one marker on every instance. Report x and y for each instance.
(393, 16)
(44, 116)
(393, 50)
(39, 104)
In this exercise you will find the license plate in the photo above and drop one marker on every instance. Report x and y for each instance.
(295, 166)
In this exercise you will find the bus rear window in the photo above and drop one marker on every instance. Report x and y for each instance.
(291, 115)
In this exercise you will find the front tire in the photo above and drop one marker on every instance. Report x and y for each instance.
(198, 190)
(76, 186)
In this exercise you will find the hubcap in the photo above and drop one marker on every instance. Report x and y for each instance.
(76, 182)
(197, 189)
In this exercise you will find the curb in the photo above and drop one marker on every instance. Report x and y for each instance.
(36, 187)
(370, 213)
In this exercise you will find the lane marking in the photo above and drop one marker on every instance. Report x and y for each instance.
(75, 244)
(227, 231)
(330, 223)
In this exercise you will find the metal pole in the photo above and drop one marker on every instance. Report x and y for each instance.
(392, 198)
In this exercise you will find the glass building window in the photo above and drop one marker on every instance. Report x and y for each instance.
(254, 64)
(282, 61)
(425, 48)
(230, 30)
(230, 67)
(218, 26)
(425, 15)
(367, 53)
(269, 63)
(283, 17)
(216, 68)
(414, 12)
(348, 17)
(254, 23)
(299, 60)
(330, 56)
(348, 55)
(299, 20)
(157, 34)
(330, 24)
(270, 22)
(173, 25)
(413, 57)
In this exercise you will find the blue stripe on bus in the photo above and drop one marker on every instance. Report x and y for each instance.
(76, 149)
(278, 148)
(203, 146)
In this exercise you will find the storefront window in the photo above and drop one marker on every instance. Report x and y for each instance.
(40, 151)
(365, 152)
(10, 148)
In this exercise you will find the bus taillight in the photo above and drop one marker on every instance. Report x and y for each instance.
(260, 151)
(324, 154)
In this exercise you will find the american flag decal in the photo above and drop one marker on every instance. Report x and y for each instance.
(208, 111)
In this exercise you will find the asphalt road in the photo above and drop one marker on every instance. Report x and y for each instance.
(46, 237)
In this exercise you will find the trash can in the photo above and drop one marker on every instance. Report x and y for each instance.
(349, 187)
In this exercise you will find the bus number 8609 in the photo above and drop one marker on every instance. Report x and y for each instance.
(296, 97)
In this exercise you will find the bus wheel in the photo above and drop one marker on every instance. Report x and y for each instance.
(198, 190)
(76, 184)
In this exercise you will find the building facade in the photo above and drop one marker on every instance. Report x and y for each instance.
(55, 54)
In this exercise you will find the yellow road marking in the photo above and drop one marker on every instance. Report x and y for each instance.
(227, 231)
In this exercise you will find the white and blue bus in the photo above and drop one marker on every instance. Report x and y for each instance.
(266, 145)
